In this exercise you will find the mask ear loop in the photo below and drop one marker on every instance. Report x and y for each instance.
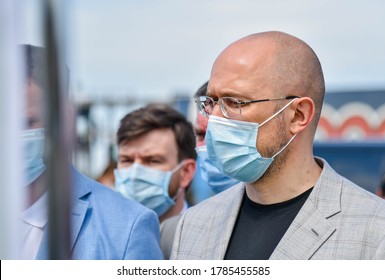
(175, 197)
(284, 147)
(175, 169)
(283, 108)
(292, 138)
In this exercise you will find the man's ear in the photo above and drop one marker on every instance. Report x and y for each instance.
(304, 109)
(187, 172)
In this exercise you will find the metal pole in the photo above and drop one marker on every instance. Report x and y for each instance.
(58, 139)
(11, 195)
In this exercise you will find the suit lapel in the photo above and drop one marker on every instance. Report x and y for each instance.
(78, 215)
(226, 222)
(42, 254)
(81, 191)
(309, 230)
(311, 227)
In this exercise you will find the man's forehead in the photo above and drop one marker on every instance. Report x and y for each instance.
(242, 75)
(156, 142)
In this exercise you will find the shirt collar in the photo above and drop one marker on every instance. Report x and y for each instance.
(37, 214)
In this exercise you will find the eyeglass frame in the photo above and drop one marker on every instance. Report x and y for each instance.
(239, 103)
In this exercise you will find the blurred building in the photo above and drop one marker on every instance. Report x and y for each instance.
(350, 135)
(353, 116)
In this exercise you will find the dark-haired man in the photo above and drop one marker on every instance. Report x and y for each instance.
(156, 163)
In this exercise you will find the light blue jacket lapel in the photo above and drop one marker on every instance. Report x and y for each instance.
(79, 210)
(42, 254)
(79, 206)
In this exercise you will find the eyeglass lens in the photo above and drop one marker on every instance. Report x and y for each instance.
(207, 106)
(229, 106)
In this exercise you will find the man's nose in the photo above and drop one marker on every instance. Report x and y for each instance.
(138, 160)
(217, 110)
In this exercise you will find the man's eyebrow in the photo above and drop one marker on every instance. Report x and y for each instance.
(228, 93)
(124, 156)
(155, 156)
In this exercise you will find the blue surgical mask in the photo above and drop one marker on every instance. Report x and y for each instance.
(32, 141)
(216, 180)
(148, 186)
(232, 146)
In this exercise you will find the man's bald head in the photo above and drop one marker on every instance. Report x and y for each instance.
(283, 62)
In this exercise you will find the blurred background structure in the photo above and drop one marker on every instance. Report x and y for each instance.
(125, 54)
(351, 135)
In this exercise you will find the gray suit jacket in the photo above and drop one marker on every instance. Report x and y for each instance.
(339, 220)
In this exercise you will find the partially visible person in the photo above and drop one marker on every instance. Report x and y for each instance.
(264, 102)
(200, 121)
(200, 189)
(208, 180)
(381, 188)
(212, 179)
(156, 163)
(104, 224)
(107, 177)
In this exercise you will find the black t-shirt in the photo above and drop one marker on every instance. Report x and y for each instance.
(259, 228)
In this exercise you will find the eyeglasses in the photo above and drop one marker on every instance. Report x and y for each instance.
(230, 106)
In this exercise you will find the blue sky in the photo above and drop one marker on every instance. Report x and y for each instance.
(154, 49)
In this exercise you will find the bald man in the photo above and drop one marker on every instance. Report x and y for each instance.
(263, 102)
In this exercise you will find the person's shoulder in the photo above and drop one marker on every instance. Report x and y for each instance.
(103, 197)
(363, 199)
(352, 194)
(127, 228)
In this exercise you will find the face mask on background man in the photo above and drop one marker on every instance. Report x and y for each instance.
(32, 141)
(216, 180)
(148, 186)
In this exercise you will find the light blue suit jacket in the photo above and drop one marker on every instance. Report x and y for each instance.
(107, 226)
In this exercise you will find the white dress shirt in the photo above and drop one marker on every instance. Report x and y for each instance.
(33, 222)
